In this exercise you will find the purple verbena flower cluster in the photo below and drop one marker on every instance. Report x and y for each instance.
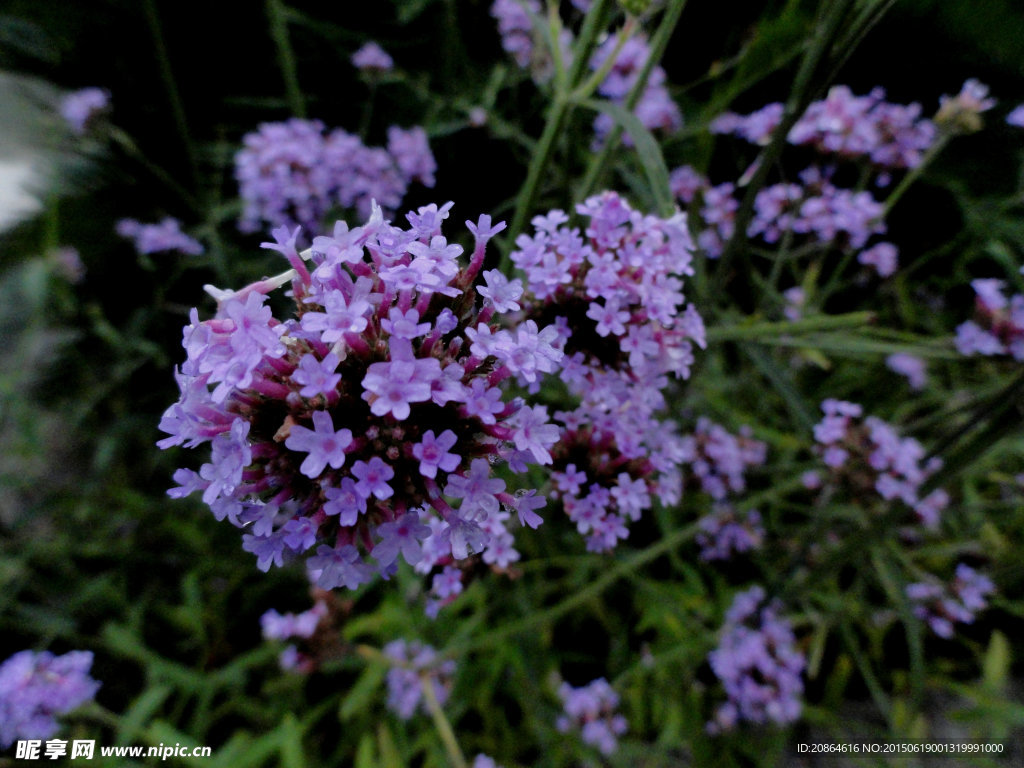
(870, 458)
(591, 710)
(79, 108)
(615, 296)
(727, 531)
(943, 606)
(37, 687)
(157, 238)
(758, 664)
(515, 25)
(414, 660)
(999, 325)
(371, 423)
(719, 460)
(293, 173)
(887, 135)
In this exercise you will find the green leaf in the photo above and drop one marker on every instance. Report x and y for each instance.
(362, 692)
(292, 755)
(647, 151)
(996, 664)
(142, 709)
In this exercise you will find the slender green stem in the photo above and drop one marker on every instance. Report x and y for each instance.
(914, 173)
(804, 88)
(580, 597)
(558, 112)
(170, 85)
(125, 142)
(659, 42)
(444, 728)
(756, 331)
(277, 15)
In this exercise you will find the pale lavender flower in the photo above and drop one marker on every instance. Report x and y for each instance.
(156, 238)
(911, 366)
(79, 108)
(591, 709)
(405, 679)
(943, 606)
(372, 58)
(1016, 116)
(882, 256)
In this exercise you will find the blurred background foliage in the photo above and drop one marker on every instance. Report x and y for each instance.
(94, 555)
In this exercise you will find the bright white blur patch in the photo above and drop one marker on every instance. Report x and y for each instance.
(16, 176)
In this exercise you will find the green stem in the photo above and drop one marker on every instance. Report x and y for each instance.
(444, 728)
(914, 173)
(659, 42)
(559, 110)
(125, 142)
(277, 15)
(756, 331)
(580, 597)
(803, 92)
(173, 95)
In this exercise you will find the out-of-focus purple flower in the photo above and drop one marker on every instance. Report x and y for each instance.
(405, 679)
(872, 460)
(1016, 116)
(719, 460)
(998, 328)
(67, 263)
(911, 366)
(942, 606)
(366, 427)
(515, 25)
(277, 626)
(156, 238)
(758, 664)
(795, 299)
(962, 113)
(591, 709)
(35, 688)
(79, 108)
(882, 256)
(294, 173)
(726, 531)
(372, 58)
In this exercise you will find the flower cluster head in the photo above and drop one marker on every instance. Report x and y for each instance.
(592, 710)
(726, 531)
(886, 135)
(294, 173)
(871, 459)
(414, 664)
(942, 606)
(157, 238)
(37, 687)
(79, 108)
(758, 664)
(614, 291)
(999, 325)
(371, 422)
(962, 113)
(372, 58)
(719, 460)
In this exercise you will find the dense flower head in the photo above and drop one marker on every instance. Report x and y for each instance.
(591, 709)
(998, 327)
(80, 107)
(719, 460)
(371, 423)
(758, 664)
(872, 460)
(887, 135)
(614, 292)
(156, 238)
(405, 680)
(294, 173)
(37, 687)
(727, 531)
(942, 606)
(372, 58)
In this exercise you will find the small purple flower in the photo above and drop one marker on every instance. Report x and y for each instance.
(337, 566)
(80, 107)
(914, 368)
(323, 444)
(1016, 117)
(883, 257)
(405, 680)
(372, 478)
(591, 709)
(157, 238)
(372, 58)
(318, 377)
(433, 453)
